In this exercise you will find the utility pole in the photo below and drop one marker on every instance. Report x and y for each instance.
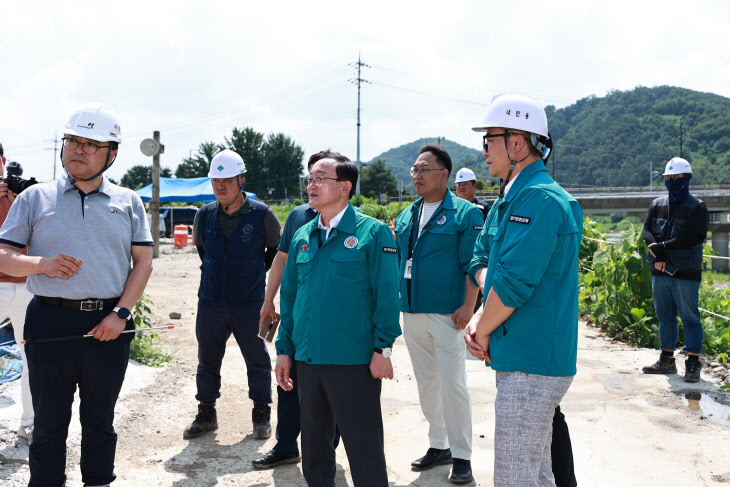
(358, 81)
(155, 203)
(680, 139)
(268, 188)
(651, 174)
(55, 150)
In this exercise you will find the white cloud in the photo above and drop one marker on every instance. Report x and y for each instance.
(194, 70)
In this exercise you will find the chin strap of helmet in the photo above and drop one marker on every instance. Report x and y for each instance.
(503, 182)
(107, 165)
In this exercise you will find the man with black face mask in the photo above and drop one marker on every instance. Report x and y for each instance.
(674, 229)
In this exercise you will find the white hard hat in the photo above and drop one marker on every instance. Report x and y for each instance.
(226, 164)
(96, 122)
(465, 174)
(677, 165)
(515, 112)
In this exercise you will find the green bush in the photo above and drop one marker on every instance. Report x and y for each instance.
(144, 348)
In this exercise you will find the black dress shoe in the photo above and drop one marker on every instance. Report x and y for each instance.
(461, 472)
(433, 458)
(274, 458)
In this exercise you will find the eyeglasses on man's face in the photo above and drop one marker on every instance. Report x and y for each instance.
(673, 176)
(88, 147)
(486, 137)
(415, 171)
(317, 180)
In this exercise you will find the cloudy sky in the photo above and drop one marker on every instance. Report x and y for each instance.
(194, 70)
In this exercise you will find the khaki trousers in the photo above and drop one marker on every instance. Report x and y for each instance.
(437, 353)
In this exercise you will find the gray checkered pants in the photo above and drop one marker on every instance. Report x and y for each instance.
(524, 411)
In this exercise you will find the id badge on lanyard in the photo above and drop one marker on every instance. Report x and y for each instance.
(408, 271)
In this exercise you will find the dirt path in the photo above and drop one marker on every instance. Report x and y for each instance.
(627, 429)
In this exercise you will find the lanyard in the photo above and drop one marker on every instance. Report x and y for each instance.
(413, 237)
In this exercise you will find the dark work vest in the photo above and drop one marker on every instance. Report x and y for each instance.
(686, 260)
(236, 276)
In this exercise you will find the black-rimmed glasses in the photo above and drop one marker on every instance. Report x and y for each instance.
(88, 147)
(486, 137)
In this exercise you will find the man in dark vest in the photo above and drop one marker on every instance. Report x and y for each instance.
(236, 238)
(674, 229)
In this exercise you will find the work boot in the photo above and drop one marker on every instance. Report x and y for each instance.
(205, 420)
(665, 365)
(261, 416)
(692, 370)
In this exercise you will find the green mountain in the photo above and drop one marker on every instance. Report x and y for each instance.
(613, 140)
(400, 159)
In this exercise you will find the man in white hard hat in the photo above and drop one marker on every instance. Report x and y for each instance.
(81, 232)
(675, 228)
(466, 186)
(526, 263)
(236, 238)
(14, 299)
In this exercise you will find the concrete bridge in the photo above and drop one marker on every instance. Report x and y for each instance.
(635, 202)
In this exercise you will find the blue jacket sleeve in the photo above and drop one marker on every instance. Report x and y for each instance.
(480, 259)
(384, 282)
(473, 224)
(527, 247)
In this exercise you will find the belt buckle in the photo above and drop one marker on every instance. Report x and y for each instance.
(92, 305)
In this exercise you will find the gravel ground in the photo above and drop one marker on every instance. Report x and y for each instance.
(626, 428)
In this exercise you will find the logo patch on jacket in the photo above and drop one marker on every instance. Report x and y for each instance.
(477, 227)
(390, 250)
(519, 219)
(441, 220)
(351, 242)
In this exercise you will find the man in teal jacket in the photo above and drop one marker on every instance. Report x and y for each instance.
(526, 261)
(339, 319)
(435, 238)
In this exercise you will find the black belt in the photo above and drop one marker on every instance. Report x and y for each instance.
(80, 304)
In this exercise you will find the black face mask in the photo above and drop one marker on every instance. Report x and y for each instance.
(678, 188)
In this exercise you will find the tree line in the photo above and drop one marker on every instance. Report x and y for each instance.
(274, 166)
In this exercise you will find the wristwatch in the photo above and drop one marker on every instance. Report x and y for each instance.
(123, 313)
(385, 352)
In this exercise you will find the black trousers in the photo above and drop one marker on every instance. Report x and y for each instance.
(55, 369)
(348, 396)
(562, 452)
(287, 418)
(214, 325)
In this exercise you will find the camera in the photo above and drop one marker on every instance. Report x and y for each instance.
(16, 184)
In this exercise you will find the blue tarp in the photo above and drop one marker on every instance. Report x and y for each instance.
(11, 365)
(192, 190)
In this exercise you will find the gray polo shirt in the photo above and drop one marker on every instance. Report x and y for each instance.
(98, 228)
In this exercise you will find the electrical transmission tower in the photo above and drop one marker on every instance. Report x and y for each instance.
(359, 80)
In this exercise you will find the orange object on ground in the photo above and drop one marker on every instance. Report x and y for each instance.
(181, 236)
